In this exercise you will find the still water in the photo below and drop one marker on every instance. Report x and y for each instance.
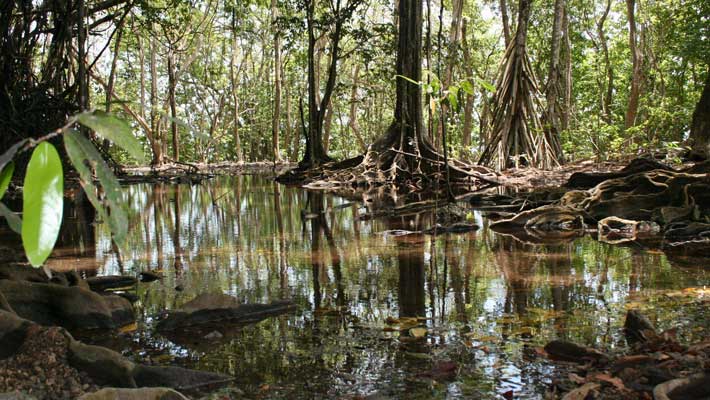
(486, 301)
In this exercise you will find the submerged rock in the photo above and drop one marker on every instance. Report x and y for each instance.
(211, 308)
(154, 393)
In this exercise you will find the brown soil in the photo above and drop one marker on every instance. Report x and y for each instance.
(40, 368)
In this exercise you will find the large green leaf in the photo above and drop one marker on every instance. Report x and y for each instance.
(118, 131)
(42, 203)
(82, 153)
(5, 177)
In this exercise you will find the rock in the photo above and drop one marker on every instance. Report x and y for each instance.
(13, 331)
(149, 276)
(103, 283)
(154, 393)
(568, 351)
(219, 308)
(214, 335)
(121, 310)
(48, 304)
(104, 366)
(23, 273)
(177, 378)
(637, 328)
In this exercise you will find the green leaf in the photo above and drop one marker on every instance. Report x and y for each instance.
(486, 85)
(84, 155)
(5, 177)
(13, 220)
(467, 87)
(42, 203)
(453, 100)
(118, 131)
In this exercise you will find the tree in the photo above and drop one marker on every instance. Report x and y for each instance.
(315, 153)
(554, 111)
(700, 127)
(636, 60)
(516, 131)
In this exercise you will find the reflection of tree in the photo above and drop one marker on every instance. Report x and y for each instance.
(176, 233)
(319, 225)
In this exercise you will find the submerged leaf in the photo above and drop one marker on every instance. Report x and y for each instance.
(42, 203)
(118, 131)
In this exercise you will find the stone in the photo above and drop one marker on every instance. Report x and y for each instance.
(48, 304)
(637, 328)
(121, 309)
(177, 378)
(211, 308)
(104, 366)
(154, 393)
(103, 283)
(568, 351)
(13, 332)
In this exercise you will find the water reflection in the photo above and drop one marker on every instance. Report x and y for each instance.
(486, 300)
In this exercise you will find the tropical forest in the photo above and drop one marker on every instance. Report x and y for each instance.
(355, 199)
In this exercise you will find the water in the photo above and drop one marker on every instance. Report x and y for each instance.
(487, 301)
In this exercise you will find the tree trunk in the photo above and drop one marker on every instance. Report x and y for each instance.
(112, 79)
(315, 153)
(506, 23)
(277, 85)
(567, 109)
(81, 74)
(235, 92)
(173, 112)
(141, 60)
(327, 125)
(609, 90)
(468, 107)
(553, 80)
(635, 92)
(352, 119)
(454, 37)
(156, 144)
(700, 127)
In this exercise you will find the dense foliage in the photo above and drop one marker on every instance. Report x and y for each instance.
(198, 77)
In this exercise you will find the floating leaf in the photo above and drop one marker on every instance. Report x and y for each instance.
(42, 203)
(13, 220)
(5, 177)
(83, 154)
(118, 131)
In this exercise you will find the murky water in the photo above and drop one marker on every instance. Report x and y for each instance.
(486, 301)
